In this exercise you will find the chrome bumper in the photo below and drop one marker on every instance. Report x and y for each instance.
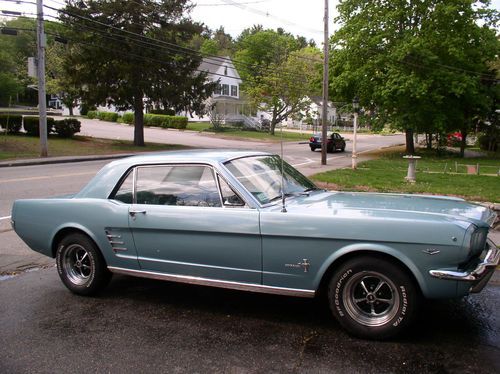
(479, 276)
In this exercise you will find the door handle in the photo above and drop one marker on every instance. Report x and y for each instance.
(134, 212)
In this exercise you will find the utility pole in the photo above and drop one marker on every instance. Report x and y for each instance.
(42, 107)
(324, 111)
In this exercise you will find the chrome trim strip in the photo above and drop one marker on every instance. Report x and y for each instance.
(126, 257)
(194, 264)
(113, 243)
(251, 287)
(119, 249)
(481, 271)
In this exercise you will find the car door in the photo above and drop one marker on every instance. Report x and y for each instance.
(180, 225)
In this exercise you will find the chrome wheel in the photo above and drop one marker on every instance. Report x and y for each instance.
(77, 264)
(371, 299)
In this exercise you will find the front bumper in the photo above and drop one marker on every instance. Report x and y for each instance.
(479, 276)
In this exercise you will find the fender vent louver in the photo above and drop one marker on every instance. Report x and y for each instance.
(115, 241)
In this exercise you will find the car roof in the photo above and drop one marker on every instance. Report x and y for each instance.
(105, 180)
(192, 155)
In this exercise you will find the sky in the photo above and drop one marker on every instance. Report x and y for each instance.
(299, 17)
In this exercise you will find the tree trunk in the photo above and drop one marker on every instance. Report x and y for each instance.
(273, 124)
(429, 140)
(138, 121)
(410, 146)
(70, 108)
(463, 142)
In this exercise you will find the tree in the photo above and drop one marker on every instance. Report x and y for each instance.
(131, 52)
(283, 89)
(421, 63)
(277, 75)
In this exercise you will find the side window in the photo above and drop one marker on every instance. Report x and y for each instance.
(229, 197)
(125, 192)
(177, 185)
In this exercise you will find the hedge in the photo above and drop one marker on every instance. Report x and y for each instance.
(31, 125)
(107, 116)
(91, 114)
(159, 120)
(68, 127)
(11, 122)
(128, 118)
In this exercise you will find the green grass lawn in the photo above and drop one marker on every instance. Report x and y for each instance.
(435, 175)
(22, 146)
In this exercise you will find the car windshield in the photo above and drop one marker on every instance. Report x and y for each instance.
(261, 176)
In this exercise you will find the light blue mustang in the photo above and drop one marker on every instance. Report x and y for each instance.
(232, 219)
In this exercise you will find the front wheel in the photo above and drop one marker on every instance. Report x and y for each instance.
(81, 265)
(372, 298)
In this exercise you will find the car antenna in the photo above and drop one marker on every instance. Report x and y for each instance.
(283, 196)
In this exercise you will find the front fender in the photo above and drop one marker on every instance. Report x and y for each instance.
(371, 248)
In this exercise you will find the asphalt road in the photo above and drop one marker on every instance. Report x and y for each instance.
(144, 326)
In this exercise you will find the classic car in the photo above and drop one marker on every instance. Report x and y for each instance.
(249, 221)
(334, 141)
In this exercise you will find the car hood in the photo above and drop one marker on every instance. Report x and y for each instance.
(391, 206)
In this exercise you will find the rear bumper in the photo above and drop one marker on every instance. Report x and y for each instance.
(479, 276)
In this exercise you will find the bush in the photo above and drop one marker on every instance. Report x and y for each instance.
(12, 123)
(488, 143)
(31, 125)
(68, 127)
(107, 116)
(91, 114)
(159, 120)
(128, 118)
(168, 112)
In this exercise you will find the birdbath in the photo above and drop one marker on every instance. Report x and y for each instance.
(412, 160)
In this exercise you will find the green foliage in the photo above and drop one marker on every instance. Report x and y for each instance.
(92, 114)
(488, 143)
(12, 123)
(160, 120)
(277, 74)
(419, 66)
(120, 69)
(128, 118)
(107, 116)
(31, 125)
(66, 128)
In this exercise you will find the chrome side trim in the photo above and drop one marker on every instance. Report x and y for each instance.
(483, 270)
(215, 282)
(192, 264)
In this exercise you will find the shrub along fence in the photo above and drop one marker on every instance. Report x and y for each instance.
(12, 123)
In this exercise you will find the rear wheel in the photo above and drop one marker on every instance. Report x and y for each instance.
(372, 298)
(312, 148)
(81, 265)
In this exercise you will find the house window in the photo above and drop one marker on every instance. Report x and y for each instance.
(234, 91)
(218, 89)
(225, 89)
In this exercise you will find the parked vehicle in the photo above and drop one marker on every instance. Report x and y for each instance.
(233, 219)
(334, 142)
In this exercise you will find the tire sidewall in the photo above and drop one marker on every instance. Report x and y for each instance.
(98, 267)
(408, 298)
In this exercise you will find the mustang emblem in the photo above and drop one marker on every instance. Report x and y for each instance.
(305, 264)
(431, 251)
